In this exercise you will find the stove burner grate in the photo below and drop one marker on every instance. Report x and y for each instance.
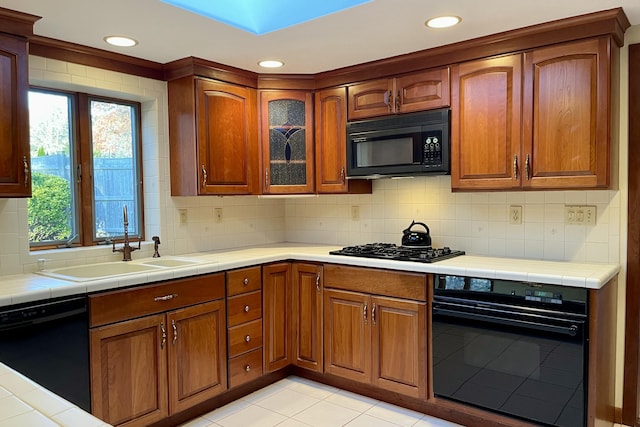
(399, 253)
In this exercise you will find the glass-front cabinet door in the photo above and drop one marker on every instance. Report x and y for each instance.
(287, 142)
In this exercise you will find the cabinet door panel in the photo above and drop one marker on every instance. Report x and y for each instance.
(423, 91)
(347, 335)
(287, 142)
(197, 354)
(568, 135)
(15, 175)
(227, 138)
(128, 372)
(307, 297)
(370, 99)
(399, 334)
(331, 141)
(486, 123)
(277, 301)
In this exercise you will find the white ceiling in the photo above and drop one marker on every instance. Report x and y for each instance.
(376, 30)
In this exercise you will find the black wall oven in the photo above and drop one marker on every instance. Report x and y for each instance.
(516, 348)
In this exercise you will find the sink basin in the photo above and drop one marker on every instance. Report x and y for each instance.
(171, 262)
(82, 273)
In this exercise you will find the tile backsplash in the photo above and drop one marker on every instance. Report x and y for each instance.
(477, 223)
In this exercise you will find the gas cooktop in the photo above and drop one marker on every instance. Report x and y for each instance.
(398, 253)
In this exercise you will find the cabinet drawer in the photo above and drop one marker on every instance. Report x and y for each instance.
(377, 282)
(244, 280)
(123, 304)
(245, 368)
(245, 337)
(244, 308)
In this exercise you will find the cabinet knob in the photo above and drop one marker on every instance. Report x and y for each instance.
(247, 338)
(245, 281)
(246, 308)
(247, 368)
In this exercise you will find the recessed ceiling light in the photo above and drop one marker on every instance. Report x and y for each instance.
(120, 41)
(270, 63)
(443, 21)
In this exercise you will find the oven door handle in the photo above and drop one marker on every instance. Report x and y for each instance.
(572, 330)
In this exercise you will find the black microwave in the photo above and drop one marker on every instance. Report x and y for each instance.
(404, 144)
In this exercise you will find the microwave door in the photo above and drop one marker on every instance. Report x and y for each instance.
(384, 152)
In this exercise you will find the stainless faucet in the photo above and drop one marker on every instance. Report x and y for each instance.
(69, 241)
(126, 249)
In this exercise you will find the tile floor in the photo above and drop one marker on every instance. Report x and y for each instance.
(297, 402)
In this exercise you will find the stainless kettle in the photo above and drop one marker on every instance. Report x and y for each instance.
(416, 238)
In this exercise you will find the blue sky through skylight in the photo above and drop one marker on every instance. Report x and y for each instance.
(264, 16)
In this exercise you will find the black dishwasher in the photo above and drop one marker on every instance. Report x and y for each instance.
(48, 342)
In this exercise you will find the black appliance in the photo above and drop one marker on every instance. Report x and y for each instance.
(403, 144)
(48, 342)
(515, 348)
(398, 253)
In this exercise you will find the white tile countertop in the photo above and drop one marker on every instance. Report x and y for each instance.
(24, 403)
(33, 287)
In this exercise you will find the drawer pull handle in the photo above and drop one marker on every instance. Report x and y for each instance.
(318, 282)
(247, 338)
(165, 298)
(247, 368)
(245, 281)
(373, 314)
(246, 308)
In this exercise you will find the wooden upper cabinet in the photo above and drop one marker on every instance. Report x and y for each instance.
(486, 121)
(15, 160)
(412, 92)
(286, 129)
(213, 138)
(538, 120)
(567, 115)
(331, 140)
(331, 145)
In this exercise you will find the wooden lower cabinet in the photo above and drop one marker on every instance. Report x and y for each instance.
(307, 316)
(197, 354)
(277, 301)
(129, 372)
(148, 368)
(376, 340)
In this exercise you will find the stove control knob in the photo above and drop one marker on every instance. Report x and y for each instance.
(446, 250)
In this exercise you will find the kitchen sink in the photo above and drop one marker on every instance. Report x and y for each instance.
(171, 262)
(82, 273)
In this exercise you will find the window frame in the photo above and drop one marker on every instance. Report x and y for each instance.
(81, 173)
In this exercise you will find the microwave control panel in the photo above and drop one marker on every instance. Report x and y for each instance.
(432, 150)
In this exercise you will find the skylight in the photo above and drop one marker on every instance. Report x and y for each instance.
(264, 16)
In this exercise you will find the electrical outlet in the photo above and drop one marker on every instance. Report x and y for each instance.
(217, 213)
(515, 215)
(183, 216)
(355, 213)
(580, 215)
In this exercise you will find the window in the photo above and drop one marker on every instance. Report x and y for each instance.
(86, 161)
